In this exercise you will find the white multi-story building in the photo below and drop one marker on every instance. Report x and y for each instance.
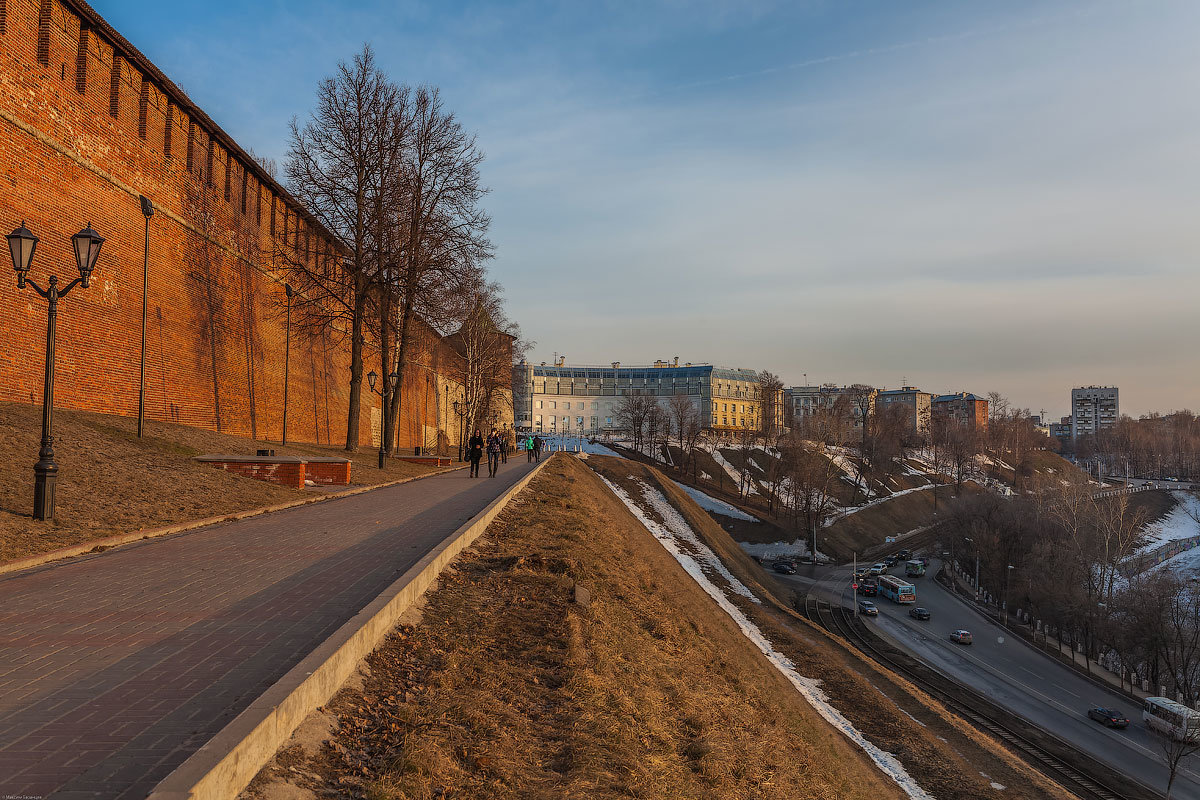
(569, 399)
(1093, 409)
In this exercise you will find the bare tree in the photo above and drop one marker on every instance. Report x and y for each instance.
(331, 168)
(1174, 749)
(631, 412)
(770, 387)
(443, 228)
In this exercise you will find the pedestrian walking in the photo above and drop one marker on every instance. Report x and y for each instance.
(493, 453)
(529, 449)
(475, 452)
(537, 449)
(504, 448)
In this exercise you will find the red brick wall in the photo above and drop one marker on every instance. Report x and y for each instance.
(215, 330)
(326, 474)
(290, 475)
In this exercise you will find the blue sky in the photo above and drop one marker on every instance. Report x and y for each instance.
(968, 195)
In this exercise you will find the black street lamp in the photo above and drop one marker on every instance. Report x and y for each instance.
(460, 410)
(21, 246)
(392, 380)
(287, 355)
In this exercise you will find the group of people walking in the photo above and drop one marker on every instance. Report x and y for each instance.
(496, 448)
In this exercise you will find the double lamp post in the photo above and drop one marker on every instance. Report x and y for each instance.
(21, 246)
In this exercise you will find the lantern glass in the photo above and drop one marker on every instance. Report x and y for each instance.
(87, 245)
(21, 244)
(393, 379)
(371, 379)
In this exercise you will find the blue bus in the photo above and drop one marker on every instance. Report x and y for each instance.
(897, 590)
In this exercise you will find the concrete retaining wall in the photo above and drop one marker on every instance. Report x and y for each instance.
(226, 764)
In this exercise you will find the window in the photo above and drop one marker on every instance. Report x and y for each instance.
(595, 406)
(579, 422)
(608, 422)
(714, 422)
(537, 422)
(553, 404)
(593, 423)
(538, 404)
(567, 405)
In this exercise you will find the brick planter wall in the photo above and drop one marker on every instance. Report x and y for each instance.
(282, 470)
(328, 471)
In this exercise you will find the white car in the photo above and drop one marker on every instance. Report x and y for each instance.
(877, 569)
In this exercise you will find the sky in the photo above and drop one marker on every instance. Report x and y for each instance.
(963, 196)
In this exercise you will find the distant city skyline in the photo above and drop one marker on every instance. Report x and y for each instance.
(976, 197)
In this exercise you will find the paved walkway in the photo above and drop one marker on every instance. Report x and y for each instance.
(114, 668)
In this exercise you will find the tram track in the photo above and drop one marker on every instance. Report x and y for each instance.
(1055, 758)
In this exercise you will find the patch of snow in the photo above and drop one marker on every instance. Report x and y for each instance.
(855, 509)
(808, 688)
(769, 551)
(597, 449)
(1000, 787)
(713, 504)
(1178, 523)
(705, 475)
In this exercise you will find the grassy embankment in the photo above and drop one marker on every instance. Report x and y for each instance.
(111, 482)
(505, 687)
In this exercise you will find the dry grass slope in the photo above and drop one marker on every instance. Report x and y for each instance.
(507, 688)
(949, 758)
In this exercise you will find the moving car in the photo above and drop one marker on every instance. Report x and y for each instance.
(960, 636)
(868, 608)
(891, 561)
(869, 587)
(903, 555)
(877, 569)
(919, 613)
(784, 568)
(1108, 717)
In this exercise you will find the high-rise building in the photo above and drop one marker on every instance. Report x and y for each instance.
(1093, 409)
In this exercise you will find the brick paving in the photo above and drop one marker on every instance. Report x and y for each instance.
(114, 668)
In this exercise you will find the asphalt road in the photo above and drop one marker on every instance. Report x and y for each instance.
(1013, 674)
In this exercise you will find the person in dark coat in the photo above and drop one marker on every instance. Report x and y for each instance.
(493, 453)
(475, 452)
(537, 448)
(504, 448)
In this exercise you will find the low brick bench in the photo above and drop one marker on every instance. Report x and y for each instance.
(435, 461)
(290, 471)
(327, 470)
(283, 470)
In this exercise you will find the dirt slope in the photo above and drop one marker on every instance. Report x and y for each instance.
(951, 760)
(508, 688)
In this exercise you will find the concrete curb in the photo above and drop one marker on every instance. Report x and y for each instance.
(229, 761)
(99, 545)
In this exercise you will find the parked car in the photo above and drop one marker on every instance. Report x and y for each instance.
(868, 608)
(903, 554)
(919, 613)
(784, 568)
(1108, 717)
(962, 637)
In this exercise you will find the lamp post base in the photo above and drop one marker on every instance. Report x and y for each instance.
(44, 482)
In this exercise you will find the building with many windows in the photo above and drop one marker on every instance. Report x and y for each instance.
(803, 402)
(562, 398)
(1093, 409)
(917, 405)
(963, 408)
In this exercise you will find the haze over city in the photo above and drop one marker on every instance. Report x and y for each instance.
(980, 197)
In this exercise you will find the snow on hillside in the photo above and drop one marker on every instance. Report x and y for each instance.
(770, 551)
(845, 512)
(713, 504)
(677, 537)
(1179, 523)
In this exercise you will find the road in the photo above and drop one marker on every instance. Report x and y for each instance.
(1013, 674)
